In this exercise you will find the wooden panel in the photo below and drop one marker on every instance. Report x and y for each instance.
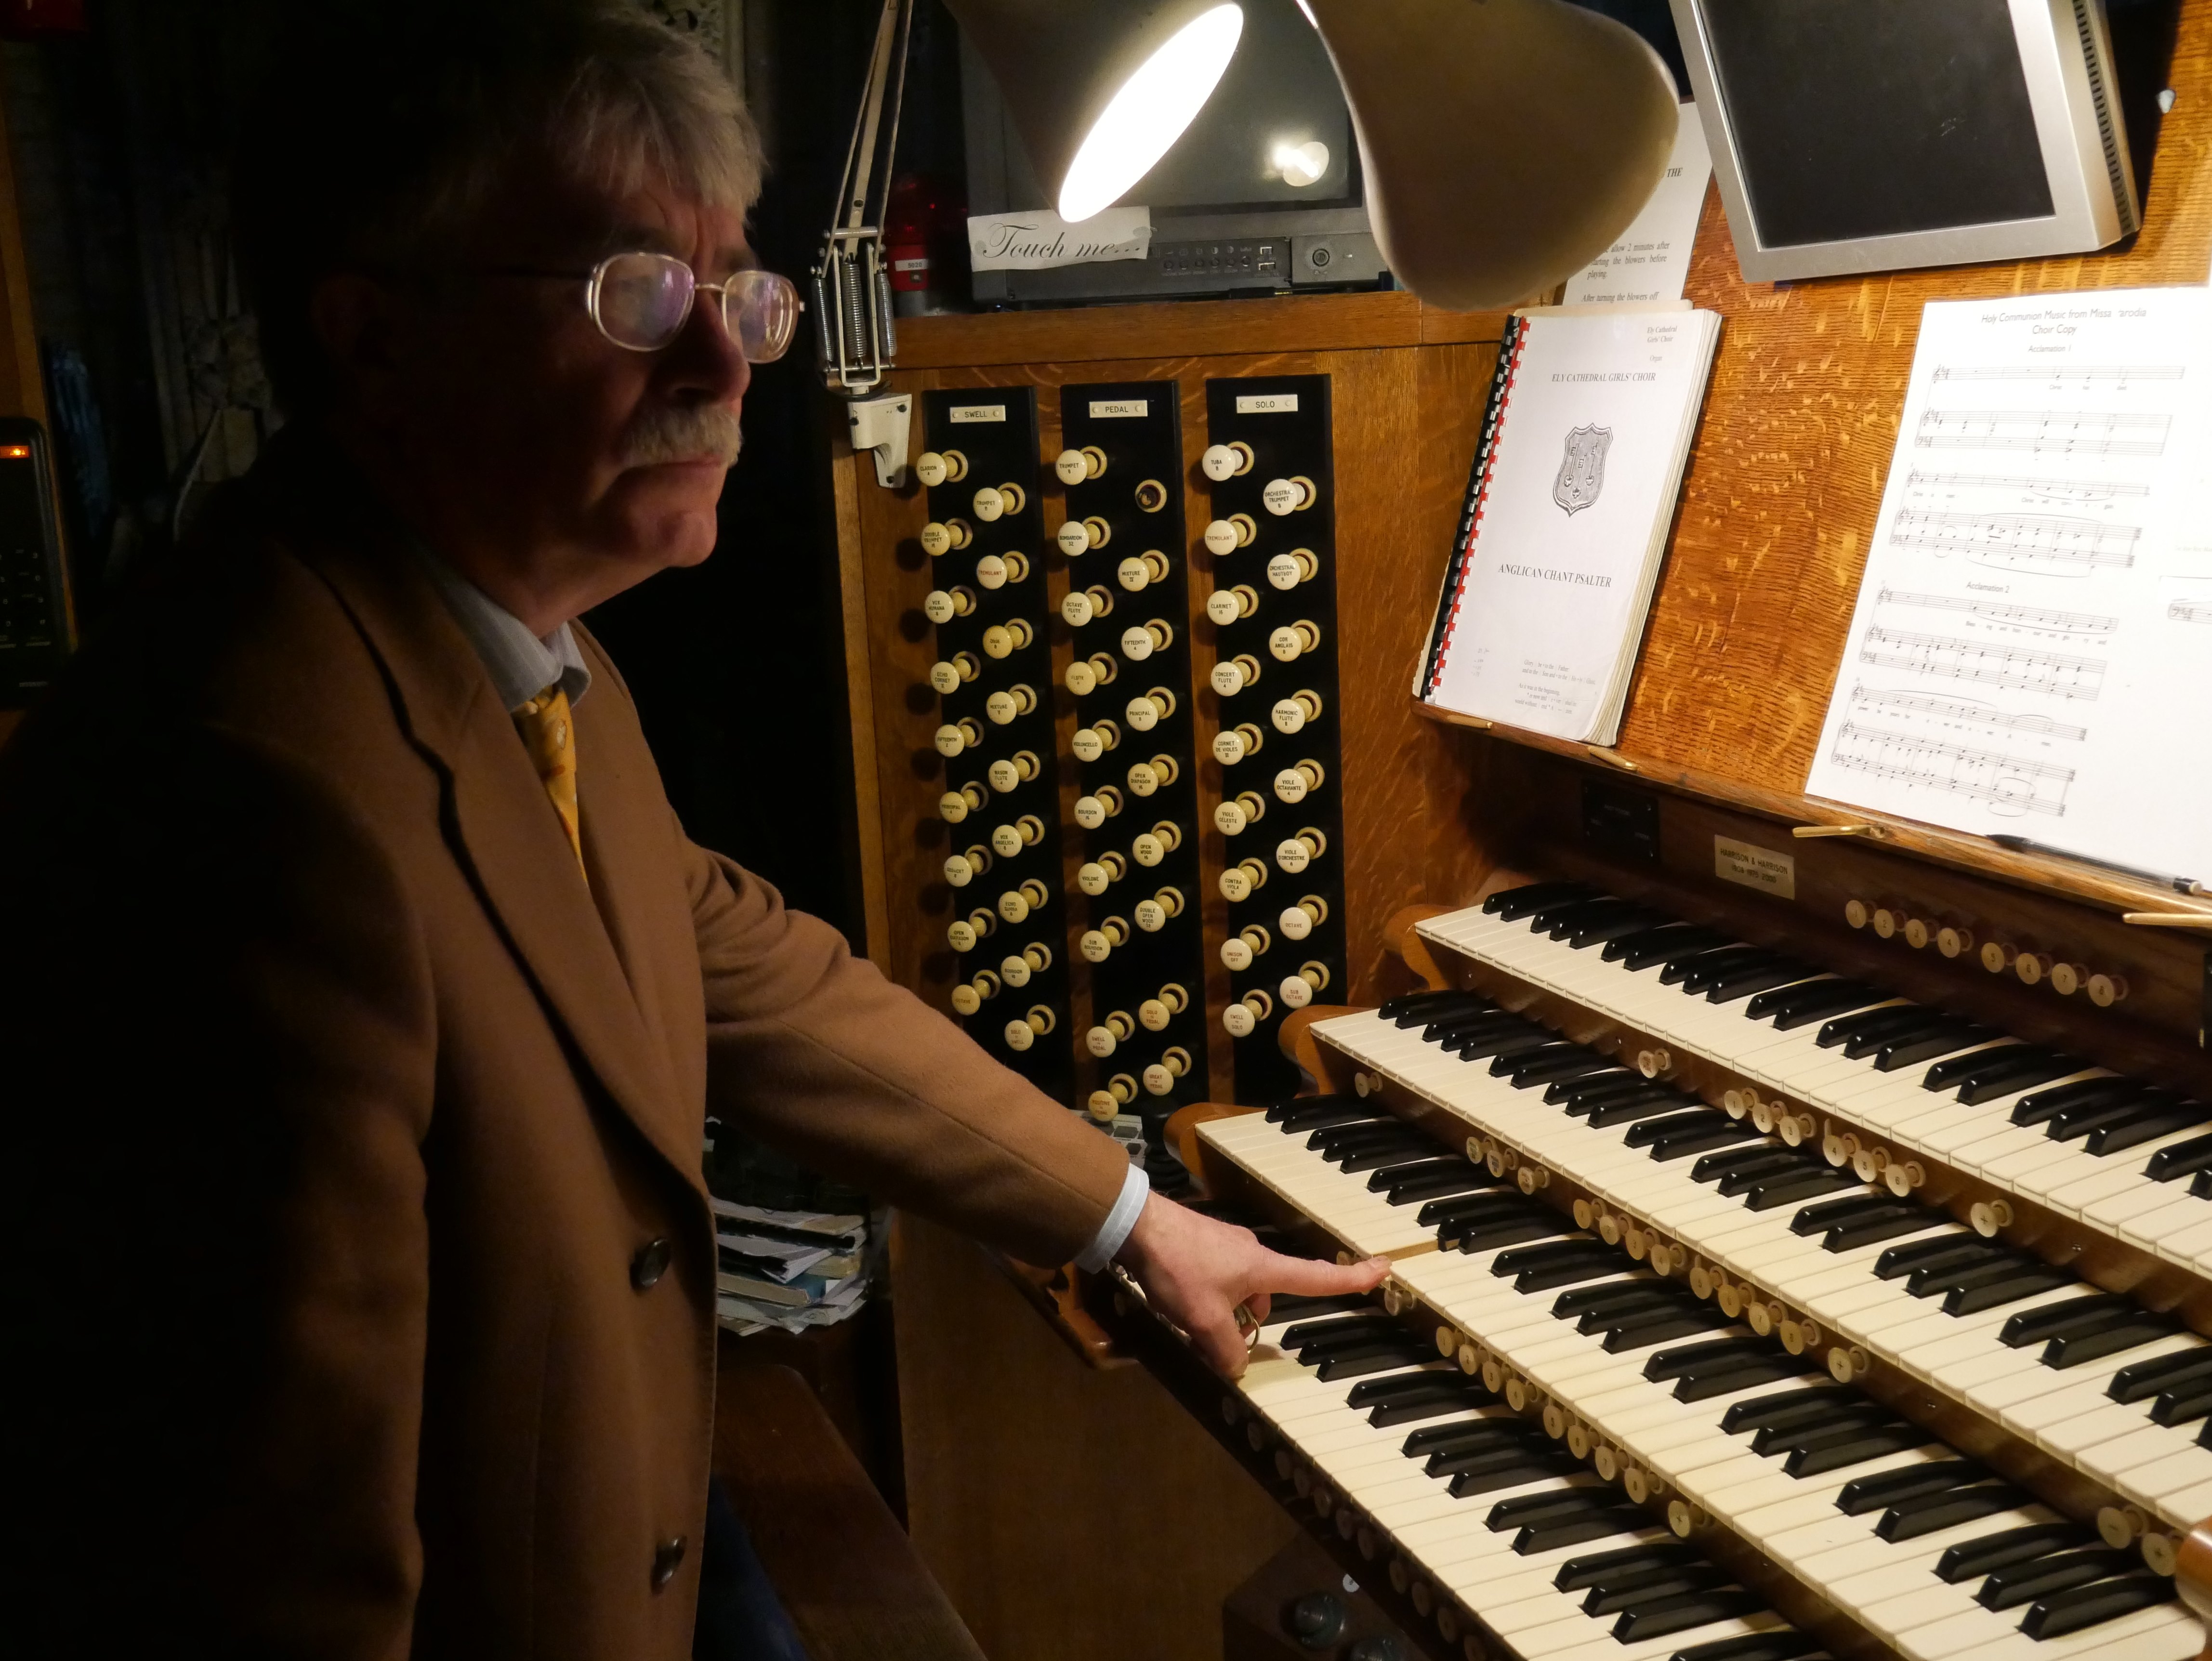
(1071, 1514)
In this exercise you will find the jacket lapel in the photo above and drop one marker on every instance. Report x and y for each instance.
(502, 828)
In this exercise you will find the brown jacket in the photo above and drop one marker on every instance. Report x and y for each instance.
(342, 1120)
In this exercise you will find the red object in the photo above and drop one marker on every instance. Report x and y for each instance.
(28, 19)
(925, 229)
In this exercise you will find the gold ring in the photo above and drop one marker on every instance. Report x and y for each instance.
(1249, 1324)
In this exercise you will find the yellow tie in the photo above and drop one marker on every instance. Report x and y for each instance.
(550, 737)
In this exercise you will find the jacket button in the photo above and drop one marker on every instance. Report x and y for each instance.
(667, 1558)
(649, 1263)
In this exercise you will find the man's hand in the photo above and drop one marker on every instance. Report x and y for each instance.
(1196, 1271)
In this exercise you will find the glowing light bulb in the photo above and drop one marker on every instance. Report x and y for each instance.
(1150, 113)
(1302, 164)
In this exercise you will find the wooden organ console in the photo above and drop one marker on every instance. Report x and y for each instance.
(1802, 1218)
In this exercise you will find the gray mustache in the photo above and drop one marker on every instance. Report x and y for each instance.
(662, 434)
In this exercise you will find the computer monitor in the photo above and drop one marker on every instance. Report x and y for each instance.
(1877, 135)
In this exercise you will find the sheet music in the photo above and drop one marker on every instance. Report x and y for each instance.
(2032, 651)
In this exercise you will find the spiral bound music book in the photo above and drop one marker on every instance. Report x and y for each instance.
(1584, 442)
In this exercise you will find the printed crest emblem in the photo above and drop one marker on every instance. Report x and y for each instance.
(1582, 470)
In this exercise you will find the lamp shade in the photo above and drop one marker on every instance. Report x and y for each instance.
(1506, 143)
(1099, 89)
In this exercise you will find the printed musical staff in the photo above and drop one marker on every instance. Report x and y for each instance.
(2066, 432)
(2041, 618)
(2056, 375)
(1876, 700)
(2190, 610)
(2031, 542)
(2013, 666)
(2056, 489)
(2010, 784)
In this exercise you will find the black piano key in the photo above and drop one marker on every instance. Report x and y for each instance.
(1430, 1180)
(1541, 1537)
(1450, 1029)
(1648, 1131)
(1902, 1025)
(2112, 1336)
(1620, 1313)
(1493, 1236)
(2023, 1583)
(1715, 1166)
(1317, 1113)
(1900, 1053)
(1786, 1407)
(2085, 1606)
(1931, 1513)
(1639, 1589)
(2071, 1123)
(1792, 1188)
(1624, 1293)
(1662, 945)
(1951, 1274)
(1476, 1049)
(1410, 1406)
(1783, 1643)
(1628, 1109)
(1579, 1572)
(1420, 1382)
(1558, 920)
(1682, 965)
(1944, 1074)
(1950, 1249)
(1285, 1306)
(1381, 1356)
(2182, 1159)
(1837, 1420)
(1970, 1558)
(2185, 1404)
(1896, 1223)
(1569, 1263)
(2144, 1125)
(2204, 1435)
(1744, 983)
(1719, 1355)
(1468, 1435)
(2138, 1379)
(1703, 1386)
(2046, 1105)
(1355, 1133)
(1996, 1293)
(1584, 1094)
(1867, 1023)
(1838, 1213)
(1694, 1139)
(1409, 1003)
(1356, 1346)
(1889, 1487)
(1652, 1327)
(1512, 1471)
(2032, 1326)
(1840, 1450)
(1561, 1091)
(1529, 1509)
(1659, 937)
(1382, 1156)
(1573, 1062)
(1612, 928)
(1366, 1322)
(1282, 1109)
(1468, 1208)
(1514, 903)
(1793, 1006)
(1683, 1612)
(2200, 1185)
(2008, 1075)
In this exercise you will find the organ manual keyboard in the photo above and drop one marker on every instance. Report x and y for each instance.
(1852, 1177)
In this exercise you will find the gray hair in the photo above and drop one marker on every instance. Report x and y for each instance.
(386, 125)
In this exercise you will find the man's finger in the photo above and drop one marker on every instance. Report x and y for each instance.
(1220, 1346)
(1259, 1303)
(1306, 1277)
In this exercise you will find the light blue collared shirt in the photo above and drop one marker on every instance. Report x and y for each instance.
(521, 665)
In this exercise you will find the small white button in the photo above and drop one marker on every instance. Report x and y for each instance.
(1142, 713)
(1137, 643)
(1001, 708)
(937, 605)
(1296, 991)
(1219, 463)
(961, 935)
(1292, 856)
(1159, 1081)
(1151, 916)
(1075, 541)
(989, 504)
(1291, 784)
(1229, 747)
(1229, 818)
(1068, 467)
(1237, 1018)
(1015, 971)
(1236, 884)
(1296, 922)
(1221, 538)
(998, 642)
(1132, 573)
(1090, 812)
(936, 539)
(958, 872)
(1093, 879)
(1288, 715)
(1076, 610)
(944, 680)
(929, 467)
(1228, 677)
(1283, 572)
(991, 571)
(1285, 644)
(1100, 1042)
(1221, 607)
(1081, 678)
(1153, 1015)
(1148, 850)
(952, 807)
(1095, 946)
(1014, 906)
(1003, 776)
(1087, 744)
(966, 999)
(1143, 779)
(1237, 953)
(1006, 841)
(1020, 1035)
(1282, 496)
(950, 741)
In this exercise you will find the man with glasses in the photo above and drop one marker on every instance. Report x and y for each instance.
(360, 998)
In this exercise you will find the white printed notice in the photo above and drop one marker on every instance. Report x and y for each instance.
(2031, 652)
(1648, 264)
(1584, 439)
(1041, 240)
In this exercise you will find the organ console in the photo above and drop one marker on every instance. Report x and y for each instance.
(1800, 1219)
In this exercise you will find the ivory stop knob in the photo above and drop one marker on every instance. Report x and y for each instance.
(929, 467)
(953, 806)
(998, 642)
(1228, 677)
(1073, 539)
(1137, 642)
(936, 539)
(1132, 573)
(944, 679)
(1237, 953)
(1015, 971)
(1296, 991)
(959, 870)
(991, 571)
(1153, 1015)
(1090, 812)
(1103, 1106)
(1143, 713)
(1001, 707)
(1289, 715)
(1229, 747)
(1020, 1035)
(1148, 850)
(1087, 744)
(1231, 818)
(1222, 537)
(1014, 906)
(1069, 467)
(1143, 779)
(1293, 855)
(1096, 945)
(966, 999)
(989, 504)
(1292, 785)
(1159, 1081)
(1081, 678)
(1093, 879)
(1225, 461)
(1236, 884)
(1286, 644)
(1239, 1020)
(961, 935)
(1222, 607)
(1006, 841)
(1296, 922)
(950, 741)
(1282, 496)
(1100, 1042)
(2105, 990)
(1004, 775)
(1150, 916)
(937, 605)
(1284, 572)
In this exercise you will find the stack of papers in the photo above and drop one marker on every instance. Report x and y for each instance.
(791, 1269)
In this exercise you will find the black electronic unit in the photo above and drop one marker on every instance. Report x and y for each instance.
(34, 613)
